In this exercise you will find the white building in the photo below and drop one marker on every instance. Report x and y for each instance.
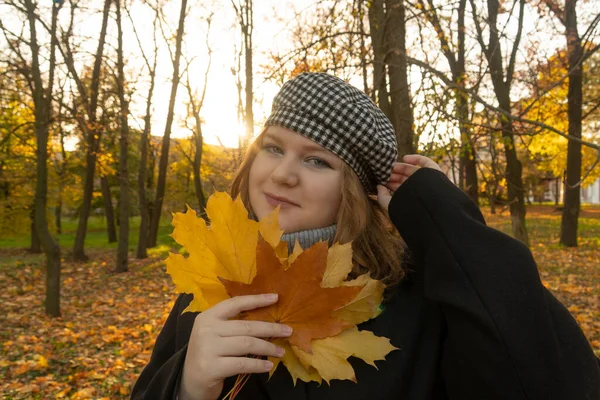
(591, 194)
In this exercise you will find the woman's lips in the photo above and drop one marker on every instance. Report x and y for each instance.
(278, 201)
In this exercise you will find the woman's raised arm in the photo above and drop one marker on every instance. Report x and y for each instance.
(507, 336)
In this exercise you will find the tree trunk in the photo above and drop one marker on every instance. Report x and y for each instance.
(195, 107)
(51, 248)
(93, 143)
(377, 24)
(166, 141)
(514, 179)
(363, 50)
(400, 103)
(244, 10)
(123, 247)
(501, 82)
(197, 178)
(150, 184)
(570, 215)
(57, 217)
(248, 31)
(151, 166)
(467, 179)
(143, 201)
(492, 199)
(42, 99)
(143, 193)
(36, 245)
(468, 162)
(467, 151)
(62, 166)
(471, 179)
(109, 211)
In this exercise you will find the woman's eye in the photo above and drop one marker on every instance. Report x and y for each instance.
(317, 162)
(272, 149)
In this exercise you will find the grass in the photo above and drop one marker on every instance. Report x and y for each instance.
(96, 237)
(543, 225)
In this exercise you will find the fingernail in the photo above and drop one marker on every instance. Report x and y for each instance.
(280, 352)
(287, 329)
(268, 365)
(272, 296)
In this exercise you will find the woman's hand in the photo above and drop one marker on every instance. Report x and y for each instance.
(218, 346)
(400, 173)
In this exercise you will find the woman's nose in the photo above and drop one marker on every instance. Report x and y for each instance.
(285, 173)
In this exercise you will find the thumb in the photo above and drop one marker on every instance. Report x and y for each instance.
(382, 190)
(383, 196)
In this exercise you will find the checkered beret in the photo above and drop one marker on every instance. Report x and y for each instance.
(342, 119)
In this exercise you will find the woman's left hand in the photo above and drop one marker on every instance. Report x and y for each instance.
(400, 173)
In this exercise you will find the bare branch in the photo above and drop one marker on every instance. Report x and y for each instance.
(506, 113)
(432, 16)
(137, 37)
(513, 55)
(556, 10)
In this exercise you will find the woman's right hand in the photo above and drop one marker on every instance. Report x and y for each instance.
(218, 346)
(401, 171)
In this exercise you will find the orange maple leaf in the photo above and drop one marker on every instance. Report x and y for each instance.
(303, 303)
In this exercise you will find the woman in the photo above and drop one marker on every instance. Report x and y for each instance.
(468, 312)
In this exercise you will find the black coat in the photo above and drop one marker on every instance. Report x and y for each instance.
(472, 320)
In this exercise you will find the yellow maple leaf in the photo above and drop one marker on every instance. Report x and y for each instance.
(330, 355)
(339, 265)
(282, 253)
(42, 362)
(297, 251)
(226, 249)
(293, 365)
(366, 304)
(269, 230)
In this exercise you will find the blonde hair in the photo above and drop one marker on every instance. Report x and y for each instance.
(377, 246)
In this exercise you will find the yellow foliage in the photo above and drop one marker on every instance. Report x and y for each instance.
(105, 164)
(548, 148)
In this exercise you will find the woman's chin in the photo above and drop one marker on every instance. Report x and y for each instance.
(290, 227)
(287, 228)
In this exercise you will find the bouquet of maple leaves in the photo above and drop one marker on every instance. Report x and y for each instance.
(237, 256)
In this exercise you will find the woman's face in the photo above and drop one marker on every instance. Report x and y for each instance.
(300, 176)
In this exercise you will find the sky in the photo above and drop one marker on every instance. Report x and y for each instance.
(220, 108)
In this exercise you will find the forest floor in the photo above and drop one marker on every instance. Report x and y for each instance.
(109, 321)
